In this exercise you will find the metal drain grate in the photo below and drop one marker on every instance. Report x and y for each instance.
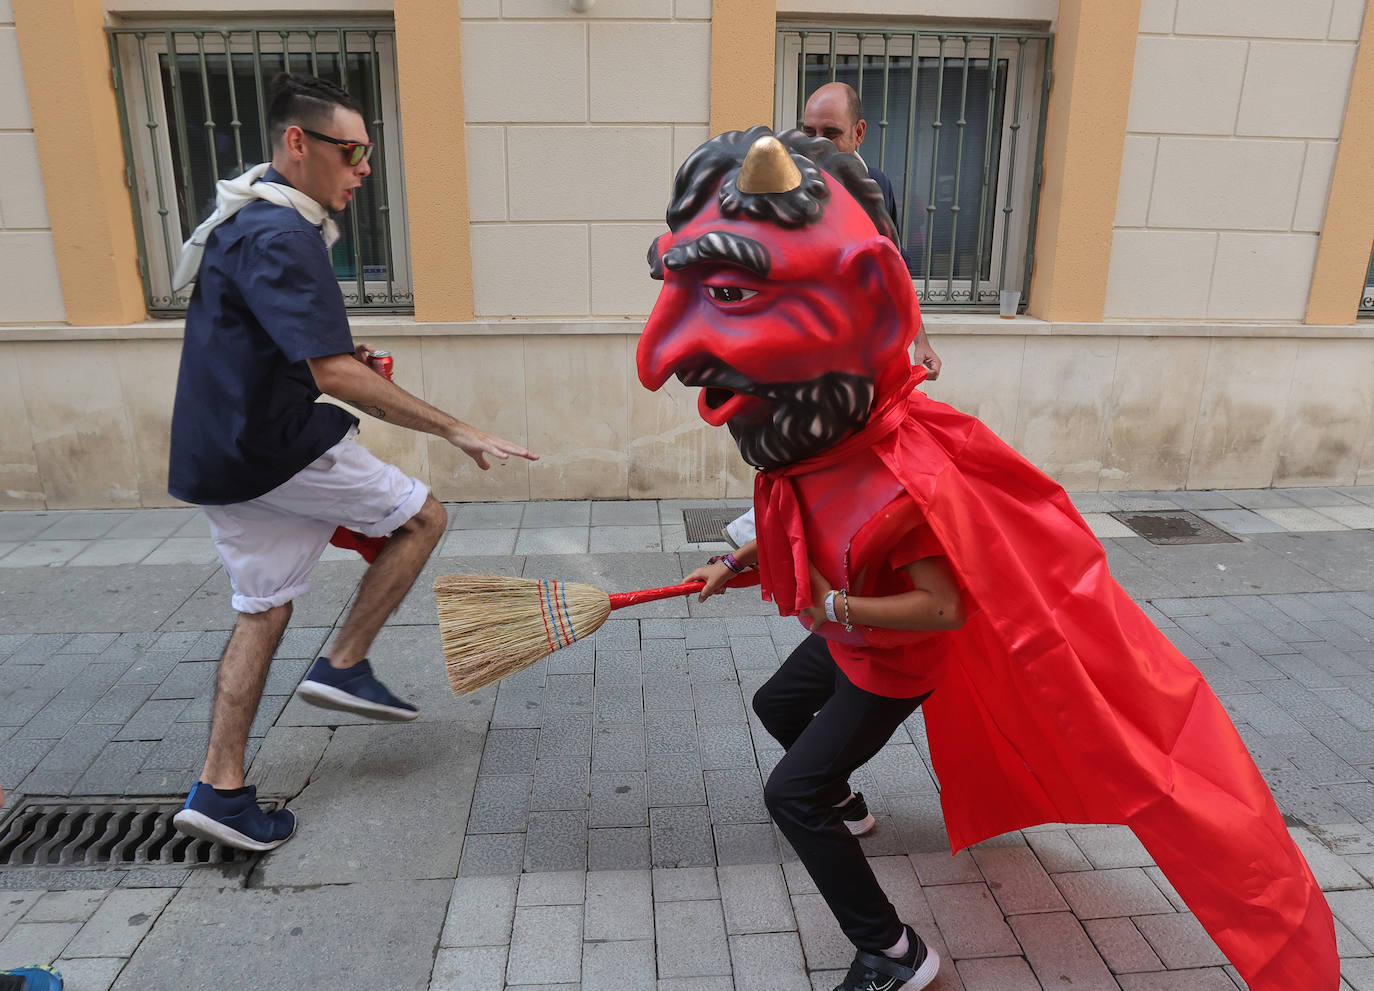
(1175, 527)
(704, 526)
(111, 833)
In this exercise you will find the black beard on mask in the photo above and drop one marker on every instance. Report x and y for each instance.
(804, 418)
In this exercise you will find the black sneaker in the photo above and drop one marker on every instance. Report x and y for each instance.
(856, 815)
(875, 972)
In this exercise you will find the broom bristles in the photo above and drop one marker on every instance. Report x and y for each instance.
(492, 626)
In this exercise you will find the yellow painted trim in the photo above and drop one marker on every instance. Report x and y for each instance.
(1348, 230)
(429, 63)
(1094, 60)
(743, 49)
(66, 63)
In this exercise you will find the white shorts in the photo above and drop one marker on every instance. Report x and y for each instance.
(269, 545)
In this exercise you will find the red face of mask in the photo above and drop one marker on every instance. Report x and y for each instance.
(789, 331)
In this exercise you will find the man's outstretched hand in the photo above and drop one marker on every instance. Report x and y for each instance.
(478, 444)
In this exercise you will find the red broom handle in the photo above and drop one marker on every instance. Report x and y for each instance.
(620, 600)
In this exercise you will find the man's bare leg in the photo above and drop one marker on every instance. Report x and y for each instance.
(238, 689)
(387, 581)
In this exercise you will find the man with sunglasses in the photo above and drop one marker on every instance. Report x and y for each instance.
(275, 471)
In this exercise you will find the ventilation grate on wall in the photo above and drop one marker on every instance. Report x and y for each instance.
(113, 833)
(704, 526)
(1175, 527)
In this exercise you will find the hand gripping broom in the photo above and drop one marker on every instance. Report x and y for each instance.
(493, 626)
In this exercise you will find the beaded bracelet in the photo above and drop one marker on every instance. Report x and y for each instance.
(847, 624)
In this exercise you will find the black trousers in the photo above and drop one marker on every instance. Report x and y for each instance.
(830, 729)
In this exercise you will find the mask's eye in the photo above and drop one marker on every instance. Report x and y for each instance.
(730, 294)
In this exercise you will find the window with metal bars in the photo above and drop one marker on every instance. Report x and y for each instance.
(193, 103)
(956, 121)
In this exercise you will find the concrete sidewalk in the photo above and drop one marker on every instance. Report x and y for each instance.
(597, 820)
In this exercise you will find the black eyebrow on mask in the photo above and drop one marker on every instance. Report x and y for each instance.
(720, 246)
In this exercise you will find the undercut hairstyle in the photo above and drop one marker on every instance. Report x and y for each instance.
(305, 101)
(721, 157)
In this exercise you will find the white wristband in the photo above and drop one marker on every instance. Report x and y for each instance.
(830, 607)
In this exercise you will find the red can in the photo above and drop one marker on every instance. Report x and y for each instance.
(381, 362)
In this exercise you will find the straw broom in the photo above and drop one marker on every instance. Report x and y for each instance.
(493, 626)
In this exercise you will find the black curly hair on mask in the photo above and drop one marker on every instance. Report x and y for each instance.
(722, 156)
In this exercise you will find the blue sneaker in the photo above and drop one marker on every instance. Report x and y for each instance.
(353, 689)
(234, 821)
(31, 979)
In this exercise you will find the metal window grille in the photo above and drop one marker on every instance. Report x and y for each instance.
(193, 106)
(1367, 300)
(956, 121)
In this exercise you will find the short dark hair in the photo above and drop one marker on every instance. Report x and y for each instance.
(305, 101)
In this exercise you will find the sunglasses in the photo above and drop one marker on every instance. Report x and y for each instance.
(354, 151)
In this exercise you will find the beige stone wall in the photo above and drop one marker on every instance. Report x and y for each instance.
(1235, 114)
(30, 290)
(1098, 406)
(575, 126)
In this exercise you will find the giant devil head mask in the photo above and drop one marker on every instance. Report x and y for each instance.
(785, 299)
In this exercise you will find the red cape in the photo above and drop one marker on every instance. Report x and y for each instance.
(1064, 703)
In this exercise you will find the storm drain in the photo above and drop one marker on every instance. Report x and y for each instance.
(110, 834)
(704, 526)
(1175, 527)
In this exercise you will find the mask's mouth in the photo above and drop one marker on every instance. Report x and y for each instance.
(725, 394)
(777, 423)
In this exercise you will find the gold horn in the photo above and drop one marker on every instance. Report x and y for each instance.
(768, 168)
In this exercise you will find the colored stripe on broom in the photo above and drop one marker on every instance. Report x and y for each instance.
(556, 605)
(544, 615)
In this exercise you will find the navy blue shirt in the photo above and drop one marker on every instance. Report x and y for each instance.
(266, 299)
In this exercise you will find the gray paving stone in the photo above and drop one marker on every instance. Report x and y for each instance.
(213, 926)
(556, 841)
(726, 746)
(676, 779)
(690, 937)
(568, 693)
(670, 732)
(706, 633)
(1107, 893)
(619, 905)
(509, 751)
(1180, 941)
(745, 843)
(619, 705)
(755, 899)
(288, 758)
(971, 921)
(769, 960)
(492, 853)
(994, 974)
(661, 629)
(576, 658)
(1211, 979)
(667, 693)
(681, 837)
(619, 965)
(735, 796)
(75, 905)
(469, 968)
(718, 702)
(1056, 850)
(618, 748)
(618, 667)
(826, 947)
(561, 783)
(181, 748)
(18, 757)
(500, 803)
(1107, 847)
(117, 927)
(1060, 952)
(1122, 946)
(565, 735)
(117, 705)
(37, 942)
(546, 945)
(663, 659)
(113, 768)
(552, 888)
(679, 884)
(618, 848)
(1018, 881)
(89, 974)
(481, 912)
(187, 680)
(711, 664)
(619, 798)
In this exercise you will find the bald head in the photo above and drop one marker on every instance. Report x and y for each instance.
(834, 112)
